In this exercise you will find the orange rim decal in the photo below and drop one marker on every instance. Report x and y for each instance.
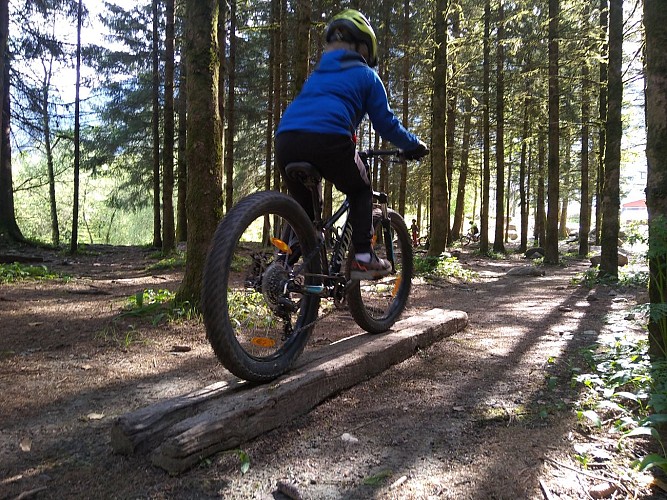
(263, 342)
(281, 245)
(397, 285)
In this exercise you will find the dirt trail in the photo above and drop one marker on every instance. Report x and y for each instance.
(486, 413)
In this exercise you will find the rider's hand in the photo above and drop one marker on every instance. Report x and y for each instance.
(415, 154)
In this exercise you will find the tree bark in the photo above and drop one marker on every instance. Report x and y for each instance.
(46, 124)
(585, 205)
(614, 133)
(655, 22)
(74, 243)
(523, 195)
(439, 203)
(551, 243)
(182, 183)
(540, 214)
(486, 167)
(204, 147)
(403, 183)
(304, 10)
(157, 223)
(230, 118)
(168, 231)
(498, 241)
(9, 229)
(457, 226)
(602, 112)
(563, 230)
(268, 152)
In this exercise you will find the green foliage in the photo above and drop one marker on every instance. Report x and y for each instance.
(249, 309)
(378, 478)
(633, 276)
(657, 255)
(10, 273)
(442, 267)
(244, 458)
(636, 233)
(158, 305)
(626, 389)
(173, 261)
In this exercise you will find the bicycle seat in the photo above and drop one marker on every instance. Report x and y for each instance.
(303, 172)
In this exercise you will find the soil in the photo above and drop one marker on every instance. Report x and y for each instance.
(489, 412)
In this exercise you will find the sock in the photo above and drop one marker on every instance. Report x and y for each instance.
(363, 257)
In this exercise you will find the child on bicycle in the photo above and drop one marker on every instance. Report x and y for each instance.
(319, 127)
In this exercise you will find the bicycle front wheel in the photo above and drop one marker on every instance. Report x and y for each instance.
(256, 326)
(376, 304)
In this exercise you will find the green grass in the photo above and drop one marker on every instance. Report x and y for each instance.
(442, 267)
(11, 273)
(157, 305)
(175, 261)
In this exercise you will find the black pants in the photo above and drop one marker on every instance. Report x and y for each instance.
(336, 158)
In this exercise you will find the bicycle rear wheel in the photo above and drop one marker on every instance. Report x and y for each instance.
(258, 328)
(376, 304)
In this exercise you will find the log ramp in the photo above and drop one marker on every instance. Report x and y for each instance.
(180, 432)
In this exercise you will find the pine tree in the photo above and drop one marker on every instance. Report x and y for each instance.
(204, 147)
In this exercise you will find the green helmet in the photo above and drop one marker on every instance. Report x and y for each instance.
(354, 24)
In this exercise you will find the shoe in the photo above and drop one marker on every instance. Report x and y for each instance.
(373, 270)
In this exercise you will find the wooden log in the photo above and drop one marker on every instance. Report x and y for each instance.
(22, 259)
(183, 431)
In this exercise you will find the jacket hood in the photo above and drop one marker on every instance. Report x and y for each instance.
(337, 60)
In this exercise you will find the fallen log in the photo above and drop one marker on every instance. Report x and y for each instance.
(21, 259)
(180, 432)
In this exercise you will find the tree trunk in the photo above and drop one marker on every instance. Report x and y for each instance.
(74, 243)
(655, 22)
(602, 139)
(452, 96)
(612, 161)
(463, 172)
(540, 215)
(8, 227)
(46, 123)
(486, 168)
(304, 10)
(230, 119)
(523, 195)
(268, 152)
(498, 241)
(402, 190)
(182, 225)
(551, 243)
(168, 232)
(585, 205)
(563, 230)
(204, 147)
(439, 203)
(157, 223)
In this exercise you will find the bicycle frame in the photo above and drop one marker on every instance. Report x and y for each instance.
(336, 280)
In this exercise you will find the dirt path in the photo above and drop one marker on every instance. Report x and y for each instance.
(487, 413)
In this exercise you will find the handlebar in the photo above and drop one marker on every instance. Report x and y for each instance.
(382, 152)
(398, 153)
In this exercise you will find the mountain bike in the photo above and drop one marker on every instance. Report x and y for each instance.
(269, 266)
(469, 237)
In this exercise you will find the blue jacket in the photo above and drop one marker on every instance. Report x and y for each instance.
(337, 96)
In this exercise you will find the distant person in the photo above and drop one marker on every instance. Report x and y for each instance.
(414, 228)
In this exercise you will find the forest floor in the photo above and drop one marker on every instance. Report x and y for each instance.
(490, 412)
